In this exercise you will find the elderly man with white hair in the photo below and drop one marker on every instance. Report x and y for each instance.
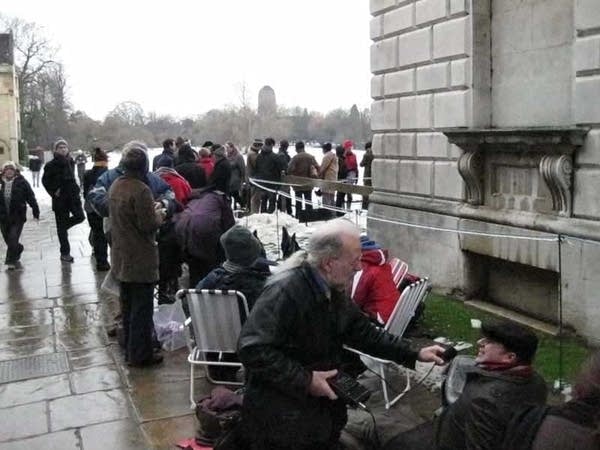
(293, 342)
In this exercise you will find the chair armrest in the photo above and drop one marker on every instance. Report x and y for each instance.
(374, 358)
(189, 341)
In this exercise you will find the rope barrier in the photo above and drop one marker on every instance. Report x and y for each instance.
(408, 224)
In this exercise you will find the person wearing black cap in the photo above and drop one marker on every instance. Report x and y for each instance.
(59, 182)
(500, 381)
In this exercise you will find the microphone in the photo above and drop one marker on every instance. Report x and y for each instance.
(449, 353)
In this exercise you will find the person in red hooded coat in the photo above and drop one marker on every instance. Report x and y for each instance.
(181, 187)
(373, 289)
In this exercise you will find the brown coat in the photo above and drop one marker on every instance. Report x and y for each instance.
(251, 164)
(134, 252)
(301, 164)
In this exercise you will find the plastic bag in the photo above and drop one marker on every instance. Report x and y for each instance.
(111, 285)
(169, 326)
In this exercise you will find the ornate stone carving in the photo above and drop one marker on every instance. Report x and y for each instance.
(470, 168)
(557, 172)
(496, 178)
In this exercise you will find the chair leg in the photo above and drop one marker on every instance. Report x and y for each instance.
(192, 402)
(384, 386)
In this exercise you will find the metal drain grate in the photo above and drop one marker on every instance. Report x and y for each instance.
(33, 367)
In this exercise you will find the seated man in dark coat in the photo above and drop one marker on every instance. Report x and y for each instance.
(501, 380)
(242, 271)
(293, 342)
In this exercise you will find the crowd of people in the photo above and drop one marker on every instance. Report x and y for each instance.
(338, 291)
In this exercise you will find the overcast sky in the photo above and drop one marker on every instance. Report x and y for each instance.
(184, 57)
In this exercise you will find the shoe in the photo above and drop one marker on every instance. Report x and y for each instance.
(103, 267)
(17, 265)
(66, 258)
(10, 266)
(153, 361)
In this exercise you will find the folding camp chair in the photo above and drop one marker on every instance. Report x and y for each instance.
(401, 316)
(399, 270)
(216, 317)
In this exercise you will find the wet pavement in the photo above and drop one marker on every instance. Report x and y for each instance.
(64, 383)
(91, 400)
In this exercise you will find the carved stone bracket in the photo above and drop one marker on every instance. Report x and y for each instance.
(557, 172)
(498, 166)
(470, 167)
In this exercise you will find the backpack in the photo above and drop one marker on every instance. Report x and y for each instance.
(217, 414)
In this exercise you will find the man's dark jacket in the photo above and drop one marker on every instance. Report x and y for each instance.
(164, 159)
(21, 195)
(58, 174)
(292, 330)
(478, 419)
(268, 166)
(250, 282)
(221, 175)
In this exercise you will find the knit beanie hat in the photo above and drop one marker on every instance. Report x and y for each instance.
(218, 151)
(240, 246)
(139, 147)
(366, 243)
(9, 164)
(256, 145)
(58, 142)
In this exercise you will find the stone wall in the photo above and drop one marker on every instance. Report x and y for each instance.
(9, 116)
(422, 82)
(441, 65)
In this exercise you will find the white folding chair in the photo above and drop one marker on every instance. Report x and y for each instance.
(215, 317)
(399, 270)
(397, 323)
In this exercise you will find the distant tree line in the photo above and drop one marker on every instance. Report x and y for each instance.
(46, 112)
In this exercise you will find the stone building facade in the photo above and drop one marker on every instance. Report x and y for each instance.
(9, 102)
(486, 118)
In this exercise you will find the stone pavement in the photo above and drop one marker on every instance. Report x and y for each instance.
(63, 382)
(85, 397)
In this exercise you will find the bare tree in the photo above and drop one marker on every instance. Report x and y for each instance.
(35, 66)
(130, 113)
